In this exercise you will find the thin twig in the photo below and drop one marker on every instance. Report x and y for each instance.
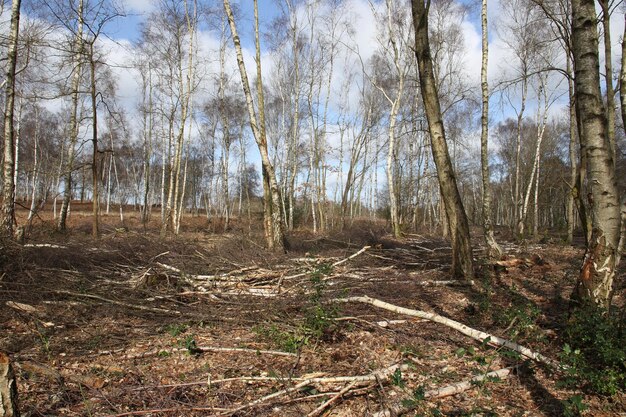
(332, 400)
(199, 349)
(120, 303)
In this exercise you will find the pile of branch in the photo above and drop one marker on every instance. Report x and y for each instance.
(252, 280)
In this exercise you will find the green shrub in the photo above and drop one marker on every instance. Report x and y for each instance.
(573, 406)
(595, 351)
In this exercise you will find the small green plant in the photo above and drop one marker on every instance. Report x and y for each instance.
(319, 316)
(163, 354)
(45, 343)
(189, 343)
(520, 319)
(574, 406)
(595, 351)
(176, 329)
(283, 340)
(396, 378)
(417, 396)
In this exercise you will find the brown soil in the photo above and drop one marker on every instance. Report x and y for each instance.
(146, 346)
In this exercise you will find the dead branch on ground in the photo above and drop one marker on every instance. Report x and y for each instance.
(119, 303)
(378, 375)
(198, 349)
(448, 390)
(481, 336)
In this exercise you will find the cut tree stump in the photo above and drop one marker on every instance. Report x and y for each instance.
(8, 388)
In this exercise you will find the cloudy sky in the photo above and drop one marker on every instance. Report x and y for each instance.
(501, 59)
(123, 32)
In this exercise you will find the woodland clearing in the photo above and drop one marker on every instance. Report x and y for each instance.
(210, 323)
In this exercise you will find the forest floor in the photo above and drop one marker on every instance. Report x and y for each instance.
(213, 324)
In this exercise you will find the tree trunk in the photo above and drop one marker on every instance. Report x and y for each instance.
(595, 282)
(16, 139)
(33, 196)
(8, 204)
(394, 210)
(572, 220)
(95, 227)
(608, 76)
(622, 78)
(518, 222)
(74, 125)
(274, 229)
(542, 121)
(462, 261)
(494, 250)
(147, 143)
(225, 130)
(8, 387)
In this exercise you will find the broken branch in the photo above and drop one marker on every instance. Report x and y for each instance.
(374, 376)
(119, 303)
(354, 255)
(481, 336)
(453, 389)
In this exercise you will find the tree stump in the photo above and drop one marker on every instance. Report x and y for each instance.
(8, 389)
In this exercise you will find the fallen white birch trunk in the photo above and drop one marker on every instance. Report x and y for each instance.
(451, 283)
(44, 245)
(468, 331)
(465, 385)
(374, 376)
(354, 255)
(448, 390)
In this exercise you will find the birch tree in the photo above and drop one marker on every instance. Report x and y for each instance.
(602, 256)
(8, 205)
(462, 261)
(74, 125)
(494, 249)
(272, 212)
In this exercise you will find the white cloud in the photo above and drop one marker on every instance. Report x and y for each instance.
(139, 6)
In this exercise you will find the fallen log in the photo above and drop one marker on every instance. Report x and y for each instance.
(481, 336)
(374, 376)
(448, 390)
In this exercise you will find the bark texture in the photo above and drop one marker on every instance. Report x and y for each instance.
(8, 389)
(8, 205)
(622, 78)
(595, 282)
(462, 262)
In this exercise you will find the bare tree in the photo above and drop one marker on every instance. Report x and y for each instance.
(462, 261)
(273, 219)
(101, 14)
(8, 204)
(494, 249)
(77, 66)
